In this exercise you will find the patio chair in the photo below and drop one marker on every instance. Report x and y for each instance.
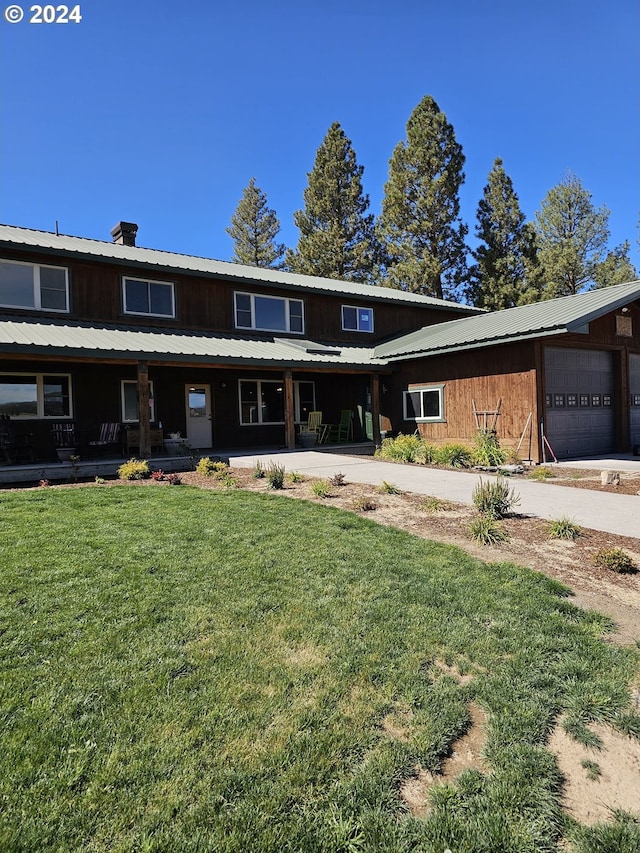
(14, 447)
(108, 439)
(342, 431)
(311, 431)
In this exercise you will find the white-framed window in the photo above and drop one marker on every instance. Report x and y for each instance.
(424, 403)
(35, 395)
(129, 401)
(39, 287)
(357, 319)
(151, 298)
(262, 401)
(269, 313)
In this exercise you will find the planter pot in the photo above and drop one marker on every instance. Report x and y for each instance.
(65, 453)
(308, 439)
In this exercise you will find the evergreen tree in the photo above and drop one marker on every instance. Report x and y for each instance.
(504, 273)
(337, 238)
(254, 228)
(572, 237)
(421, 234)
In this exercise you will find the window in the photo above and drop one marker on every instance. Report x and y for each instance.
(129, 395)
(35, 286)
(262, 401)
(424, 404)
(269, 313)
(357, 319)
(154, 298)
(35, 395)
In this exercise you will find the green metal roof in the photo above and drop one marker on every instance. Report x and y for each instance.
(12, 237)
(552, 317)
(81, 340)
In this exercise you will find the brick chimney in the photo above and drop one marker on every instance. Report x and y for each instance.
(124, 233)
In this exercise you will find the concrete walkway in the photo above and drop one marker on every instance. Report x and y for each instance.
(612, 513)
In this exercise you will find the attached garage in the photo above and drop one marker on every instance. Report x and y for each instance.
(634, 388)
(579, 401)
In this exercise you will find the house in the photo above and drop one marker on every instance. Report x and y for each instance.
(95, 333)
(559, 378)
(227, 355)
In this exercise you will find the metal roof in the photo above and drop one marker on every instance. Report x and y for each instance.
(12, 237)
(68, 339)
(552, 317)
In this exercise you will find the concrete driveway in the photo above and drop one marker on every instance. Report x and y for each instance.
(612, 513)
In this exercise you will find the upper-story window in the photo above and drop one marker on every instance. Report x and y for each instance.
(36, 286)
(357, 319)
(153, 298)
(269, 313)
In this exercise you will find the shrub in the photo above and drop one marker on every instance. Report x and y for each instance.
(321, 488)
(296, 477)
(173, 479)
(338, 480)
(616, 560)
(487, 531)
(100, 480)
(494, 499)
(134, 469)
(275, 476)
(258, 471)
(44, 483)
(541, 473)
(564, 528)
(403, 448)
(487, 451)
(432, 504)
(227, 480)
(208, 468)
(389, 489)
(363, 504)
(454, 455)
(157, 475)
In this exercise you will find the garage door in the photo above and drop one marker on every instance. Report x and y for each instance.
(580, 408)
(634, 387)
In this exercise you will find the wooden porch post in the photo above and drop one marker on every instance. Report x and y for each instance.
(289, 411)
(143, 410)
(375, 407)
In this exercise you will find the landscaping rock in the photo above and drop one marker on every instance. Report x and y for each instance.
(610, 478)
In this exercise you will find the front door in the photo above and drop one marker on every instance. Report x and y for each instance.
(198, 401)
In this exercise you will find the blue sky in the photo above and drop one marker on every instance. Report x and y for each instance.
(159, 113)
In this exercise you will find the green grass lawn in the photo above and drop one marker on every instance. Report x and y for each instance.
(188, 670)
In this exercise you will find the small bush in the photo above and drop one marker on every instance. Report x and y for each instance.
(403, 448)
(432, 504)
(494, 499)
(208, 468)
(258, 471)
(389, 489)
(564, 528)
(487, 531)
(454, 455)
(100, 480)
(616, 560)
(541, 473)
(227, 480)
(487, 451)
(157, 475)
(275, 476)
(44, 483)
(173, 479)
(296, 477)
(134, 469)
(363, 504)
(338, 479)
(321, 488)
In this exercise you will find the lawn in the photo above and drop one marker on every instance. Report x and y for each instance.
(187, 670)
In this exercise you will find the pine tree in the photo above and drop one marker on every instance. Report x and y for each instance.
(572, 237)
(254, 228)
(421, 234)
(337, 238)
(504, 274)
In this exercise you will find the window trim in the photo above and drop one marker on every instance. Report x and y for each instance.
(296, 400)
(253, 327)
(40, 414)
(357, 309)
(152, 407)
(37, 287)
(170, 284)
(412, 389)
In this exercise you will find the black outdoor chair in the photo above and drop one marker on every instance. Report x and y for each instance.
(14, 447)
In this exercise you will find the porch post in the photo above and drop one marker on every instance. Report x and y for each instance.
(143, 409)
(375, 407)
(289, 412)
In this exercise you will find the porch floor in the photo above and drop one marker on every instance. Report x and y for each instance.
(86, 469)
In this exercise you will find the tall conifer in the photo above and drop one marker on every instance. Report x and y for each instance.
(337, 238)
(420, 230)
(254, 228)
